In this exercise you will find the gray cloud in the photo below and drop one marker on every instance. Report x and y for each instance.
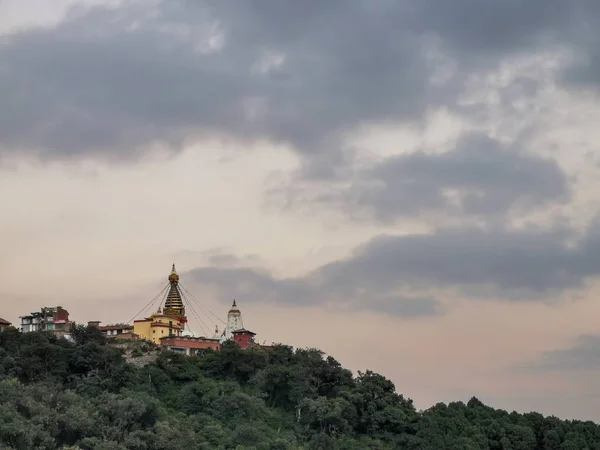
(124, 78)
(257, 285)
(113, 81)
(584, 354)
(527, 264)
(485, 178)
(533, 261)
(488, 29)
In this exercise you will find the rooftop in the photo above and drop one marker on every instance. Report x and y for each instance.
(243, 330)
(190, 338)
(116, 327)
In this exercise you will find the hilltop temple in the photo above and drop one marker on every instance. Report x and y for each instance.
(166, 323)
(166, 327)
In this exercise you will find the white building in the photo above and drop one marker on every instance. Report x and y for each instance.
(234, 321)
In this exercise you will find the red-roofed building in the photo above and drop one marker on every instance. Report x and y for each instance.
(4, 324)
(244, 338)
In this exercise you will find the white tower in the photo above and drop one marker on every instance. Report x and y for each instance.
(234, 321)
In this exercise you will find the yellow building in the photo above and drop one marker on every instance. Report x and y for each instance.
(168, 322)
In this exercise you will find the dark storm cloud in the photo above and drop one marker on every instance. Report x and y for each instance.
(122, 78)
(527, 264)
(583, 355)
(486, 177)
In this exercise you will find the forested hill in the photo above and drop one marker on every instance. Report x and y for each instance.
(55, 394)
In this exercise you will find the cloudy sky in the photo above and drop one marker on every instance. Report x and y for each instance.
(411, 186)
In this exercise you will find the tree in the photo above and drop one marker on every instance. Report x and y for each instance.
(83, 334)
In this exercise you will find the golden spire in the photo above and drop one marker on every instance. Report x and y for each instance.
(173, 278)
(173, 303)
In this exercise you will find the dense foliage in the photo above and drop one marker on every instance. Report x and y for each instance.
(86, 395)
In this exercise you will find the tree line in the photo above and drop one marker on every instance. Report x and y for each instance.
(56, 394)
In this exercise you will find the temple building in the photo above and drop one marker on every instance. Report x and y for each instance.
(244, 338)
(235, 330)
(234, 321)
(166, 327)
(168, 322)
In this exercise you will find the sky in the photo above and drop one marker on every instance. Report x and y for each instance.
(410, 186)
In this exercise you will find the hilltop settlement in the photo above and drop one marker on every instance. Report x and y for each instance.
(165, 327)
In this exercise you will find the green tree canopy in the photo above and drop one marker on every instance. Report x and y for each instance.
(85, 395)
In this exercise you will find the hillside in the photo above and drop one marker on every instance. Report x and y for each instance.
(55, 394)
